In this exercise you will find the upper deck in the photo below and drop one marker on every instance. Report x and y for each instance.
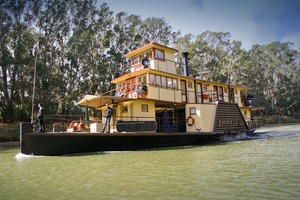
(163, 79)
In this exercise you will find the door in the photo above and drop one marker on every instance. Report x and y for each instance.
(215, 94)
(231, 95)
(199, 93)
(183, 91)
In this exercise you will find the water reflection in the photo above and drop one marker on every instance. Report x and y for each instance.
(264, 167)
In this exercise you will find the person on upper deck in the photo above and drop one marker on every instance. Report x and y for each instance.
(249, 99)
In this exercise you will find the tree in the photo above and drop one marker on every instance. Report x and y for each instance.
(15, 38)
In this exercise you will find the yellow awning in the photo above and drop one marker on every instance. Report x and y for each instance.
(96, 102)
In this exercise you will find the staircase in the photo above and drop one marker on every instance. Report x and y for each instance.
(229, 119)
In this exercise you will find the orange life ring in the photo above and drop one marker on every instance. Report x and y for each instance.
(190, 121)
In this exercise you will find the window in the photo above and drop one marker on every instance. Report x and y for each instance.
(220, 89)
(149, 54)
(139, 79)
(192, 111)
(134, 60)
(152, 80)
(157, 80)
(144, 108)
(190, 85)
(159, 54)
(163, 81)
(175, 84)
(123, 85)
(124, 109)
(128, 85)
(144, 78)
(169, 82)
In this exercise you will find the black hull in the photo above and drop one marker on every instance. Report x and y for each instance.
(50, 144)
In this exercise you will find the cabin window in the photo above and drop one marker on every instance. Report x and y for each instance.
(225, 89)
(151, 79)
(139, 79)
(175, 84)
(164, 81)
(157, 80)
(159, 54)
(190, 85)
(192, 111)
(204, 87)
(169, 82)
(133, 83)
(125, 109)
(118, 86)
(144, 108)
(128, 85)
(144, 78)
(123, 85)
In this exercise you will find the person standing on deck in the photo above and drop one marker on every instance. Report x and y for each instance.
(109, 112)
(40, 118)
(166, 120)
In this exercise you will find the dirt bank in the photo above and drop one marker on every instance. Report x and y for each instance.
(8, 144)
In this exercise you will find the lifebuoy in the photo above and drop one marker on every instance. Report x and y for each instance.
(76, 126)
(190, 121)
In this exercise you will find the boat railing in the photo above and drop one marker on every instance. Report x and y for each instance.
(211, 96)
(68, 123)
(255, 122)
(58, 123)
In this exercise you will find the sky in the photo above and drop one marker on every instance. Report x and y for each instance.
(249, 21)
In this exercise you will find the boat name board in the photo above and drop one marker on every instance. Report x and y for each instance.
(228, 122)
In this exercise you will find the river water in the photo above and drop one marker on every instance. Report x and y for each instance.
(266, 166)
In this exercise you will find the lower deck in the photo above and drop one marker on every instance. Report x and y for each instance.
(57, 143)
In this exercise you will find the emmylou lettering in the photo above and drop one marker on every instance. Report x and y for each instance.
(228, 122)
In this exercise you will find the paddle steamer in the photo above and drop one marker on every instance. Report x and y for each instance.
(158, 104)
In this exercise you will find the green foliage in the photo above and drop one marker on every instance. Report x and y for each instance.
(272, 70)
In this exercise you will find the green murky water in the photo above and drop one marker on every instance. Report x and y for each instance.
(266, 166)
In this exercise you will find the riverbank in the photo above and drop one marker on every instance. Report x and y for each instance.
(9, 144)
(9, 132)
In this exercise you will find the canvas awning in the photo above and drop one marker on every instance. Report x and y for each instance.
(96, 102)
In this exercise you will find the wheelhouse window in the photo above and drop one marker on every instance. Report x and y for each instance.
(138, 59)
(159, 54)
(148, 54)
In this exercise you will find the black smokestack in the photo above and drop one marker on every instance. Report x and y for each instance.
(186, 64)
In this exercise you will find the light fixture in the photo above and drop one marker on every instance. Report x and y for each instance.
(145, 62)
